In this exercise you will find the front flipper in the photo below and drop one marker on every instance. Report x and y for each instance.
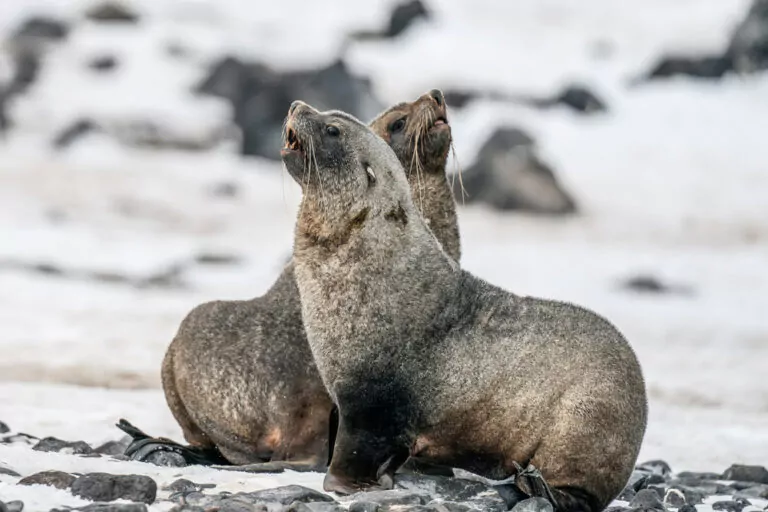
(531, 482)
(164, 452)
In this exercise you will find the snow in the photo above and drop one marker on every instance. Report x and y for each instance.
(671, 182)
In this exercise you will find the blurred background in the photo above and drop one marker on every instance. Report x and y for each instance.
(613, 153)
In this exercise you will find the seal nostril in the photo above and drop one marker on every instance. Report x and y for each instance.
(437, 95)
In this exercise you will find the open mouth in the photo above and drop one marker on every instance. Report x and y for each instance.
(439, 123)
(292, 142)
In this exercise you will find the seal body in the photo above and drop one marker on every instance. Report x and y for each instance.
(239, 375)
(425, 360)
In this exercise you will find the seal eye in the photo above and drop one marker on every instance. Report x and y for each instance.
(398, 125)
(331, 130)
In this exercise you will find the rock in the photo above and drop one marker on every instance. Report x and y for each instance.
(653, 285)
(616, 508)
(581, 99)
(638, 479)
(20, 437)
(185, 486)
(730, 505)
(207, 258)
(755, 491)
(260, 98)
(693, 495)
(103, 63)
(687, 508)
(15, 506)
(392, 497)
(468, 492)
(364, 506)
(533, 505)
(748, 49)
(187, 508)
(315, 507)
(692, 475)
(288, 494)
(111, 12)
(657, 467)
(403, 16)
(674, 498)
(714, 66)
(106, 487)
(41, 28)
(647, 499)
(4, 470)
(75, 131)
(4, 428)
(509, 176)
(114, 447)
(113, 507)
(746, 474)
(627, 494)
(52, 444)
(58, 479)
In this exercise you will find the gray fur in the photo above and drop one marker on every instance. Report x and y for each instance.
(239, 375)
(424, 359)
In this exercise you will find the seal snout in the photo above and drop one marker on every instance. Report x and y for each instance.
(432, 104)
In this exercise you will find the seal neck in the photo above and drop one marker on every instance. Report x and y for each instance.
(433, 196)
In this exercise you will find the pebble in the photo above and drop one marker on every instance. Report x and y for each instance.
(392, 497)
(687, 508)
(746, 474)
(107, 507)
(756, 491)
(58, 479)
(52, 444)
(106, 487)
(5, 470)
(647, 499)
(114, 447)
(183, 485)
(4, 428)
(731, 505)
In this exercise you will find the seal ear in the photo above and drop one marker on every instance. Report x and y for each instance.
(371, 175)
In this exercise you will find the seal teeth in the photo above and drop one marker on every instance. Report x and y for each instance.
(292, 141)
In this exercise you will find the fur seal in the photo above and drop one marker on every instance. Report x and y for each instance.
(424, 360)
(239, 376)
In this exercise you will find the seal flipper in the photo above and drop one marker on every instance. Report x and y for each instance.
(165, 452)
(531, 481)
(563, 499)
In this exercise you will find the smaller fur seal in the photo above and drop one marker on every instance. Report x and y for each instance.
(426, 361)
(239, 376)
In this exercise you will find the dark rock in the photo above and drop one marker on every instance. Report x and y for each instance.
(111, 12)
(403, 16)
(581, 99)
(616, 508)
(746, 474)
(288, 494)
(260, 98)
(647, 499)
(103, 63)
(653, 478)
(58, 479)
(699, 67)
(730, 505)
(208, 258)
(627, 494)
(748, 48)
(106, 487)
(509, 176)
(184, 485)
(20, 437)
(114, 447)
(657, 467)
(114, 507)
(75, 131)
(533, 505)
(638, 479)
(469, 492)
(52, 444)
(687, 508)
(755, 491)
(392, 497)
(364, 506)
(693, 475)
(694, 495)
(40, 27)
(4, 428)
(315, 507)
(7, 471)
(650, 284)
(187, 508)
(674, 498)
(12, 506)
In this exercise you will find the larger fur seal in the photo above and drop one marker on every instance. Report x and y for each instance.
(425, 360)
(239, 376)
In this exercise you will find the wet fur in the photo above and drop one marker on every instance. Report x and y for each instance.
(239, 375)
(424, 359)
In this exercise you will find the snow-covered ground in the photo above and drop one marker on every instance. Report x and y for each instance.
(672, 182)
